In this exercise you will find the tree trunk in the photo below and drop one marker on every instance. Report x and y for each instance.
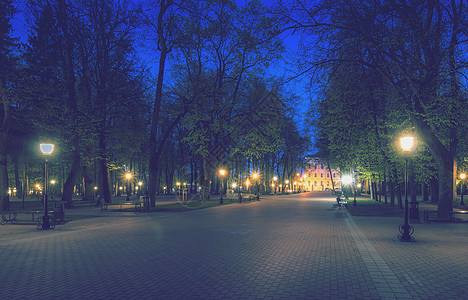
(18, 185)
(205, 183)
(69, 184)
(103, 169)
(153, 153)
(400, 199)
(391, 185)
(4, 197)
(425, 192)
(384, 189)
(434, 187)
(88, 180)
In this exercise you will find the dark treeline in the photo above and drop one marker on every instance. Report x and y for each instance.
(84, 81)
(389, 68)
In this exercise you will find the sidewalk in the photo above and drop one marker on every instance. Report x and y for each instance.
(283, 247)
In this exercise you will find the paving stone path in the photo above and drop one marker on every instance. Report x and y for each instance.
(282, 247)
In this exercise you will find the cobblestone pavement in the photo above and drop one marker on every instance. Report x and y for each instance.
(282, 247)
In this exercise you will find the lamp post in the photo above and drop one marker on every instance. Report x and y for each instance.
(128, 176)
(257, 192)
(275, 178)
(462, 177)
(52, 189)
(348, 180)
(406, 230)
(47, 150)
(287, 186)
(140, 192)
(222, 172)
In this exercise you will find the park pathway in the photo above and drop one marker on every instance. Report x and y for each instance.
(282, 247)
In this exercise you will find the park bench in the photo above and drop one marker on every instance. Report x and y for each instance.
(342, 202)
(249, 197)
(136, 204)
(455, 216)
(31, 216)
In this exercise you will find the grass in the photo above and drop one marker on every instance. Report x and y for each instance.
(372, 208)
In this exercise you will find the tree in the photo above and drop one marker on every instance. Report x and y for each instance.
(417, 48)
(7, 94)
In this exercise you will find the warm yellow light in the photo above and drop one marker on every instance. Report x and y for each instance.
(222, 172)
(407, 143)
(128, 175)
(140, 183)
(120, 188)
(52, 181)
(462, 176)
(38, 186)
(273, 185)
(255, 175)
(178, 183)
(275, 178)
(95, 187)
(287, 181)
(247, 183)
(234, 185)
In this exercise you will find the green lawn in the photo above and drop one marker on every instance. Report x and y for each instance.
(372, 208)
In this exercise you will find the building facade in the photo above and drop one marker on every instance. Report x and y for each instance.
(318, 177)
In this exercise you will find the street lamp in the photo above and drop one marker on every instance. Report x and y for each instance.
(462, 177)
(257, 192)
(406, 230)
(128, 176)
(47, 150)
(222, 172)
(52, 189)
(275, 178)
(140, 192)
(287, 186)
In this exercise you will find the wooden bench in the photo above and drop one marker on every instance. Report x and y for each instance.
(340, 201)
(13, 217)
(137, 205)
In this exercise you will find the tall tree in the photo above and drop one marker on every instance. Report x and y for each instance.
(417, 46)
(7, 61)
